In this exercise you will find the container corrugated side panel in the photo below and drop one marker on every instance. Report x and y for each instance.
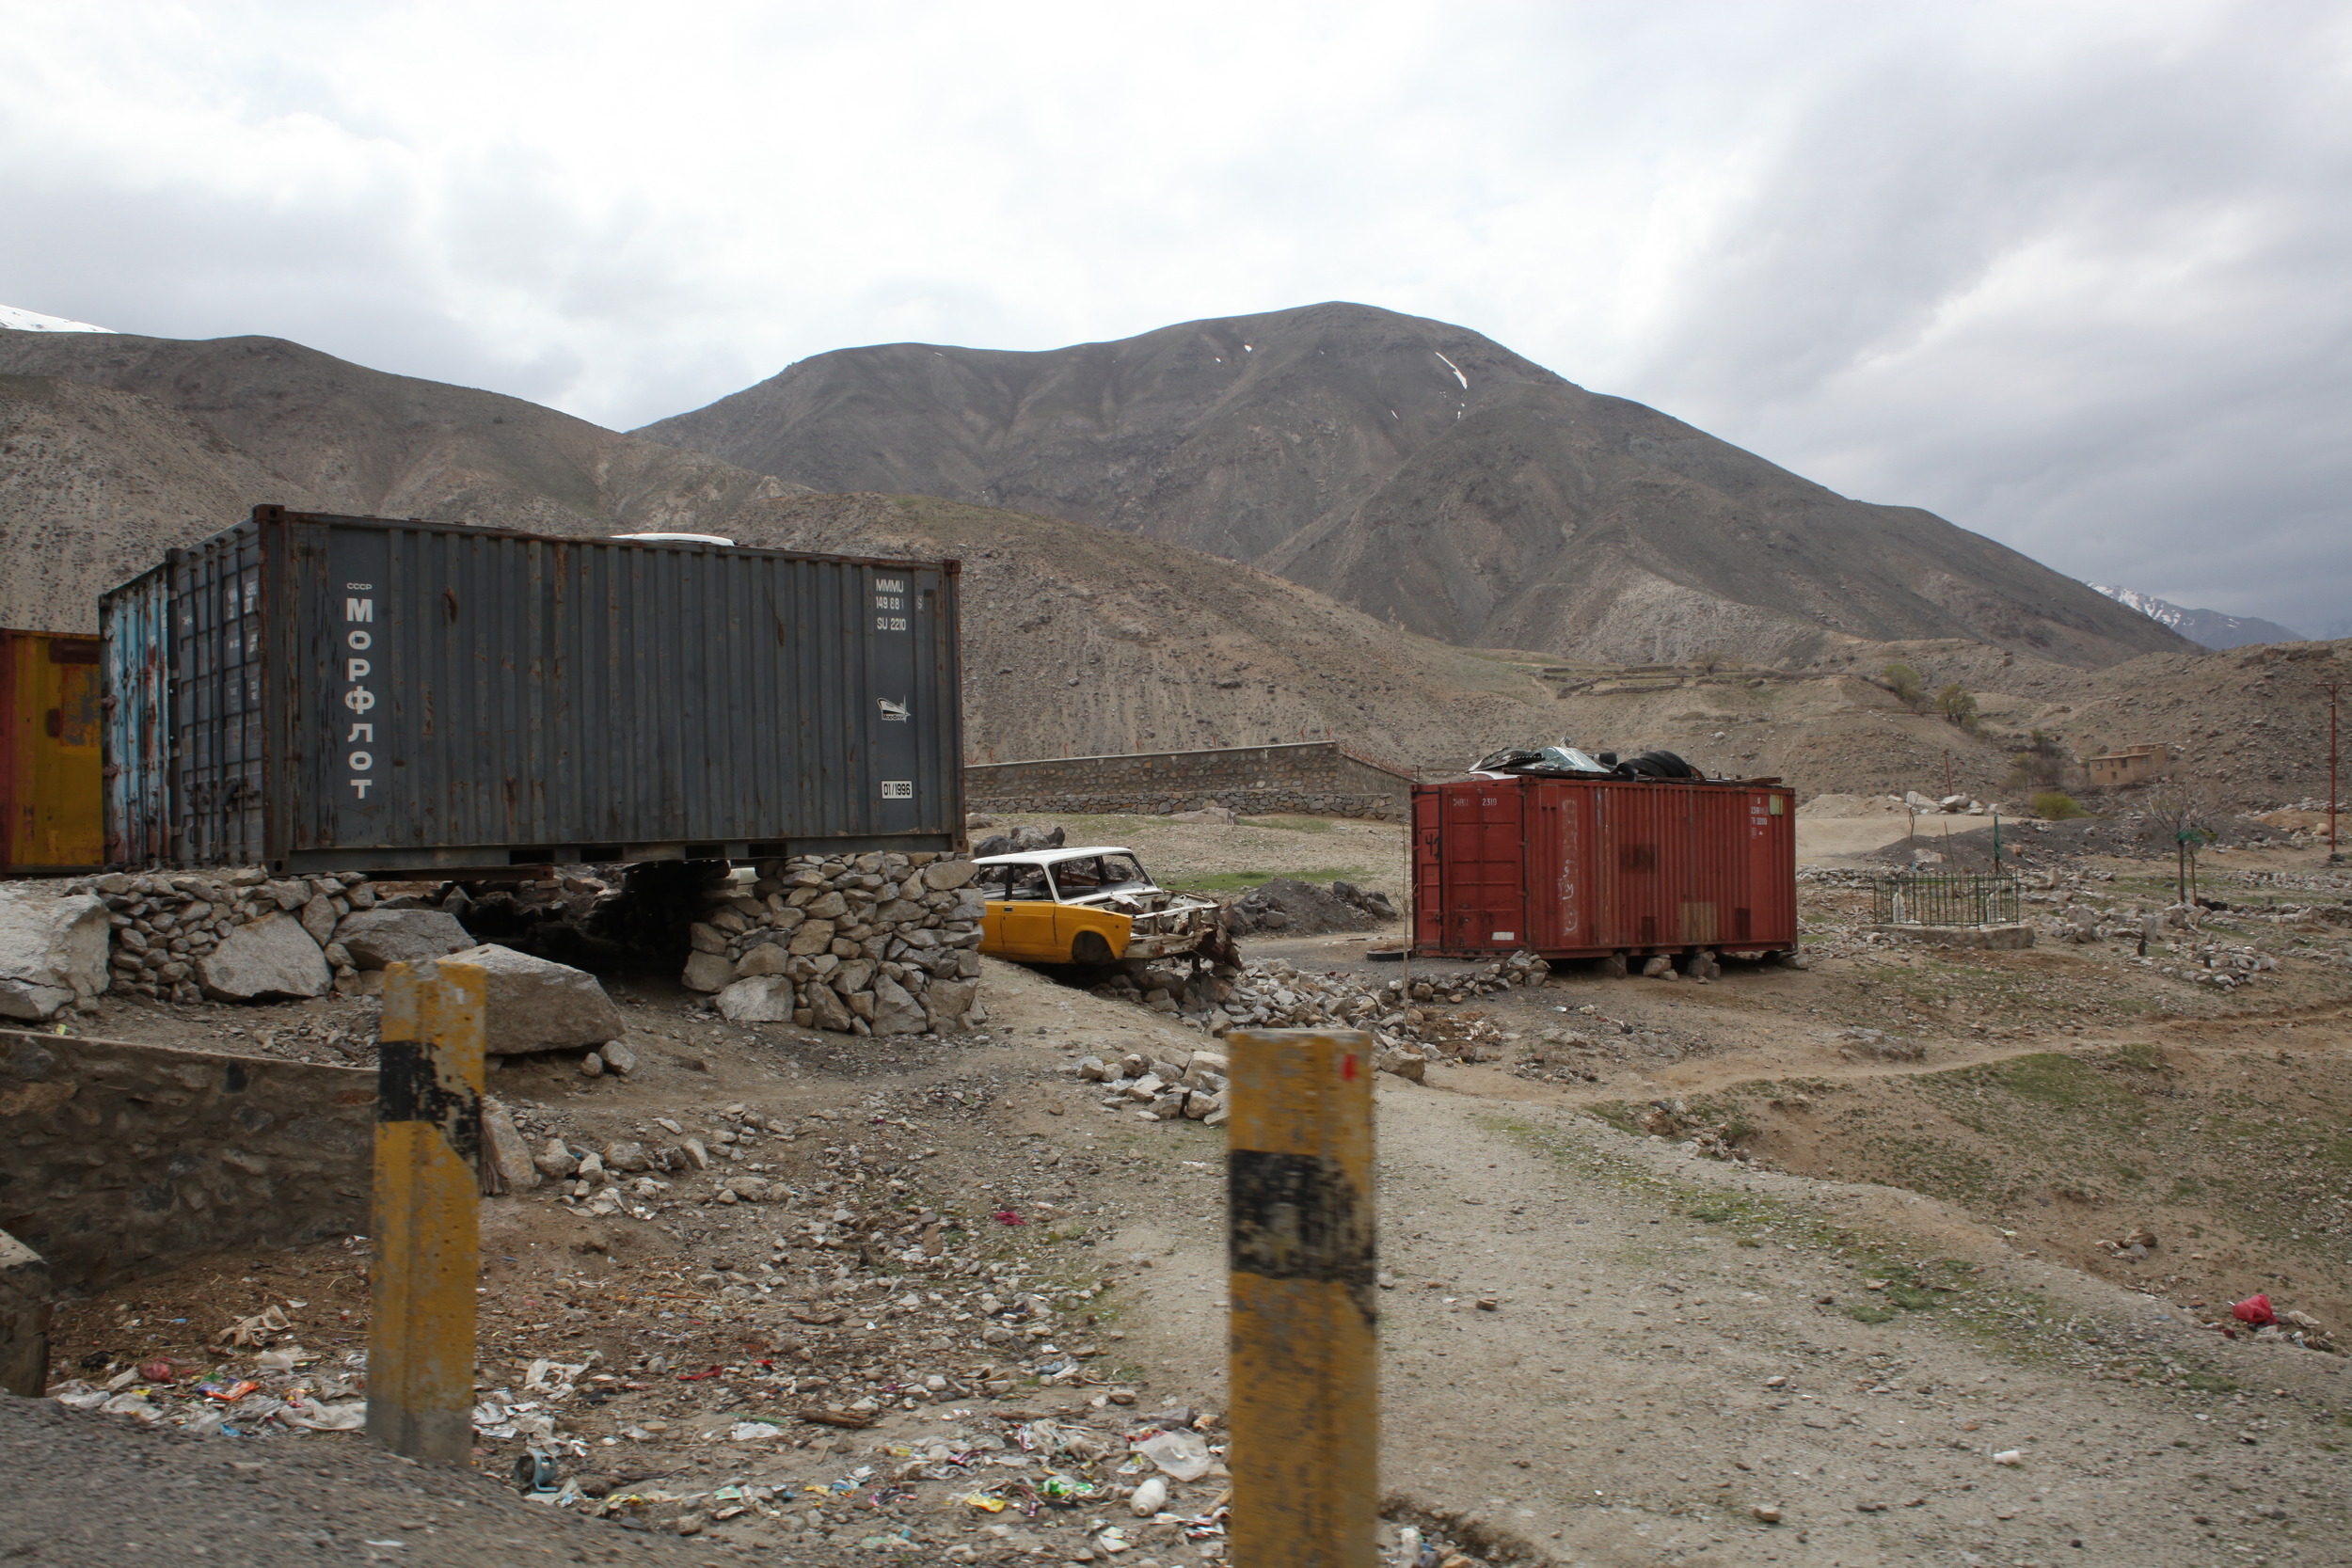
(220, 805)
(1607, 866)
(134, 627)
(448, 687)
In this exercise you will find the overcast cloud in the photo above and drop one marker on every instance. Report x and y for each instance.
(2078, 277)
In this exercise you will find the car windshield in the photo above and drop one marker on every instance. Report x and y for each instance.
(1093, 874)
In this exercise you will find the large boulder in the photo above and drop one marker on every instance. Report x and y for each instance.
(895, 1011)
(378, 937)
(535, 1005)
(950, 1000)
(947, 875)
(707, 971)
(272, 960)
(52, 949)
(762, 999)
(826, 1009)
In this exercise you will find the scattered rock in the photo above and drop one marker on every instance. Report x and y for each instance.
(762, 999)
(534, 1005)
(507, 1165)
(52, 950)
(378, 937)
(272, 958)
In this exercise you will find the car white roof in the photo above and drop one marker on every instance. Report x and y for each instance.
(1051, 857)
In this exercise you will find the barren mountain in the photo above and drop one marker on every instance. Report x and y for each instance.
(2207, 628)
(1078, 637)
(1079, 641)
(1419, 472)
(95, 483)
(224, 424)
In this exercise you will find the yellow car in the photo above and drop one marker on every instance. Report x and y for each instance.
(1085, 905)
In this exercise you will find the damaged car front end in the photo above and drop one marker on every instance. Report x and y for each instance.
(1090, 905)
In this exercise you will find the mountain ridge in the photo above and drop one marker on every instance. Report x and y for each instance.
(2207, 628)
(1419, 470)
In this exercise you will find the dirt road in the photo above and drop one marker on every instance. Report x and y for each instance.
(1647, 1378)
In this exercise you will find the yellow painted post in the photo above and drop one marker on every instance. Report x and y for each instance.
(428, 1195)
(1305, 1369)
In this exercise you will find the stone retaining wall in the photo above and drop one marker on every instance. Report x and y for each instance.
(1314, 777)
(26, 1296)
(1996, 938)
(118, 1159)
(863, 945)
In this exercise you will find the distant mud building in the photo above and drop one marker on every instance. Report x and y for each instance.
(2128, 764)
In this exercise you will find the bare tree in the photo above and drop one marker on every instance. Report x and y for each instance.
(2185, 808)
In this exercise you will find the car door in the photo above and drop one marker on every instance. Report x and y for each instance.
(1022, 927)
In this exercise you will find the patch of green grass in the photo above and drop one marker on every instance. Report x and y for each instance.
(1869, 1312)
(2062, 1081)
(2208, 1382)
(2142, 1055)
(1616, 1113)
(1295, 824)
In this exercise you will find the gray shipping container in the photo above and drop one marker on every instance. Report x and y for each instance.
(318, 693)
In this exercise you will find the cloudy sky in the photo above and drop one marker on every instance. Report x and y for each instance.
(2076, 275)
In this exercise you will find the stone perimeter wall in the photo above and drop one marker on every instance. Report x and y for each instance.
(877, 943)
(1312, 776)
(116, 1159)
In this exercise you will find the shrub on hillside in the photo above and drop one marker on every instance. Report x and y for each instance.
(2055, 806)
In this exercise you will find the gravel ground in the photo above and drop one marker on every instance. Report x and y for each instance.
(85, 1491)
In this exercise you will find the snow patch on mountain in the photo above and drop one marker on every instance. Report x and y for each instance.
(2206, 627)
(33, 321)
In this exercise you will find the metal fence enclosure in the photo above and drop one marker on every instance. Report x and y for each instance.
(322, 693)
(1969, 900)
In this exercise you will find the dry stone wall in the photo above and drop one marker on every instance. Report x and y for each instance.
(1314, 777)
(877, 943)
(230, 936)
(118, 1159)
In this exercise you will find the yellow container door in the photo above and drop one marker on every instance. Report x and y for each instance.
(56, 809)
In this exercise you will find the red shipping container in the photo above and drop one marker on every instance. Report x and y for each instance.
(1572, 868)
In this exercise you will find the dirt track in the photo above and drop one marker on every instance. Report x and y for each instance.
(1617, 1405)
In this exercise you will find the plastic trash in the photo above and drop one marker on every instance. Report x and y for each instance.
(348, 1416)
(1149, 1500)
(1184, 1455)
(2256, 1310)
(2012, 1457)
(534, 1472)
(753, 1431)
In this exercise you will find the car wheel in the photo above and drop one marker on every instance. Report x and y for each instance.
(1089, 948)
